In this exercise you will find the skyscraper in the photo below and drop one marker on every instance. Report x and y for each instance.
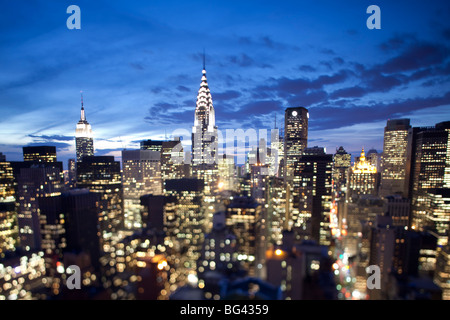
(204, 131)
(101, 174)
(84, 138)
(363, 178)
(315, 193)
(429, 167)
(45, 154)
(141, 175)
(394, 159)
(295, 141)
(8, 215)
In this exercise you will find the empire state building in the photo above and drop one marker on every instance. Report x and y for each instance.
(84, 139)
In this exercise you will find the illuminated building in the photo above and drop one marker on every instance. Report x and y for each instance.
(243, 217)
(341, 166)
(185, 221)
(70, 230)
(382, 252)
(437, 217)
(277, 206)
(22, 275)
(429, 167)
(301, 271)
(394, 160)
(172, 161)
(8, 215)
(44, 154)
(315, 195)
(227, 173)
(101, 174)
(399, 209)
(219, 258)
(152, 145)
(374, 158)
(295, 141)
(84, 139)
(141, 175)
(35, 182)
(72, 173)
(442, 273)
(363, 178)
(204, 131)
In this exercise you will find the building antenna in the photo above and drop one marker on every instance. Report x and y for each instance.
(204, 59)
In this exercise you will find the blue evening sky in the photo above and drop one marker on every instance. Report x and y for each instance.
(139, 65)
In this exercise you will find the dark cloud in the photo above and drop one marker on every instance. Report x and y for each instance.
(58, 145)
(398, 41)
(242, 60)
(420, 55)
(306, 68)
(52, 137)
(329, 117)
(261, 107)
(227, 95)
(183, 89)
(350, 92)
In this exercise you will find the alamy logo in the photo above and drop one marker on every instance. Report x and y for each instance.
(74, 21)
(374, 21)
(74, 281)
(374, 280)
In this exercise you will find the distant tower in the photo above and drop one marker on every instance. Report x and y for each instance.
(84, 139)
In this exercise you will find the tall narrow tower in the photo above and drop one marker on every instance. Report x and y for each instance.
(84, 139)
(204, 131)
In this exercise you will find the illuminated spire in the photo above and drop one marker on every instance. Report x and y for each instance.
(83, 116)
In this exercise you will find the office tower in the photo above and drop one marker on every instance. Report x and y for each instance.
(141, 175)
(430, 167)
(442, 273)
(399, 209)
(22, 275)
(295, 138)
(71, 173)
(40, 154)
(341, 166)
(8, 215)
(101, 174)
(172, 161)
(363, 178)
(204, 131)
(81, 212)
(315, 195)
(218, 260)
(243, 217)
(301, 271)
(295, 141)
(394, 160)
(152, 145)
(374, 158)
(185, 222)
(152, 213)
(277, 201)
(33, 183)
(84, 138)
(437, 217)
(227, 173)
(382, 252)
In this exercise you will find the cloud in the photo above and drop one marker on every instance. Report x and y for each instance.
(227, 95)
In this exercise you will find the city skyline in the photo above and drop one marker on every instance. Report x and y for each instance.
(256, 68)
